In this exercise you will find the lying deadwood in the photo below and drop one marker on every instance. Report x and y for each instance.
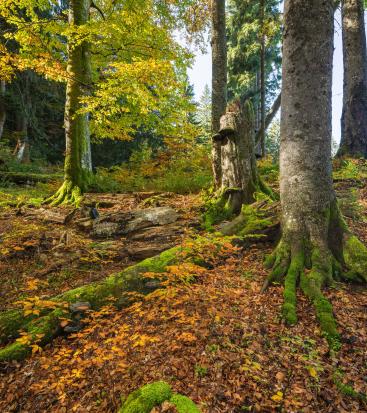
(123, 223)
(115, 290)
(22, 178)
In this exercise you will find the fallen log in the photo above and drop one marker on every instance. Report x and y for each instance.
(115, 289)
(22, 178)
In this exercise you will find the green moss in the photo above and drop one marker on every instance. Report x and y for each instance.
(183, 404)
(10, 322)
(249, 223)
(14, 351)
(216, 209)
(144, 399)
(346, 389)
(290, 288)
(280, 260)
(311, 285)
(355, 258)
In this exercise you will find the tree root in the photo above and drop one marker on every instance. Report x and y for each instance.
(67, 194)
(313, 269)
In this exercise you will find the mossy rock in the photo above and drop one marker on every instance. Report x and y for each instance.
(154, 394)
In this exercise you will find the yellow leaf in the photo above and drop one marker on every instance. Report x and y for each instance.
(312, 371)
(278, 397)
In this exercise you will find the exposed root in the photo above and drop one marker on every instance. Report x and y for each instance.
(67, 194)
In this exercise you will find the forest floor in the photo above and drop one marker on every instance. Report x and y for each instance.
(218, 340)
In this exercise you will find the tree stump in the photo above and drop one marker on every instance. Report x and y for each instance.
(239, 172)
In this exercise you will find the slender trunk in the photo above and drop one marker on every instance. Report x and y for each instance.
(262, 78)
(219, 81)
(269, 116)
(354, 116)
(2, 107)
(76, 124)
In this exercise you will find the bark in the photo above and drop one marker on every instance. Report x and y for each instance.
(2, 107)
(354, 115)
(239, 173)
(314, 234)
(269, 117)
(262, 78)
(77, 156)
(219, 81)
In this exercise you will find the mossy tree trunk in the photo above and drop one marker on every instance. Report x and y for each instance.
(314, 236)
(354, 116)
(78, 163)
(2, 107)
(239, 172)
(219, 81)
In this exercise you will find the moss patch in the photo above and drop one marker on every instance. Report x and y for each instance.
(144, 399)
(183, 404)
(147, 397)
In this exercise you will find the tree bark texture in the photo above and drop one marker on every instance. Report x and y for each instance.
(239, 172)
(76, 124)
(305, 161)
(219, 80)
(314, 234)
(262, 78)
(354, 116)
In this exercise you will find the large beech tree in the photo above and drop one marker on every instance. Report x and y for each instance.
(77, 157)
(354, 116)
(314, 235)
(219, 81)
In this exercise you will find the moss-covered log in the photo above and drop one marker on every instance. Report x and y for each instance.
(114, 287)
(154, 394)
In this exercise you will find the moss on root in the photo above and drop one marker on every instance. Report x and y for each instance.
(355, 258)
(154, 394)
(217, 209)
(68, 193)
(290, 289)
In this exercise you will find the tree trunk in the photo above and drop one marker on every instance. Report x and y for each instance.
(239, 172)
(77, 156)
(2, 107)
(354, 116)
(269, 117)
(262, 78)
(219, 81)
(314, 234)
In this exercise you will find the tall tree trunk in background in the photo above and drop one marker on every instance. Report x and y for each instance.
(77, 156)
(2, 107)
(354, 117)
(219, 81)
(262, 77)
(269, 117)
(313, 233)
